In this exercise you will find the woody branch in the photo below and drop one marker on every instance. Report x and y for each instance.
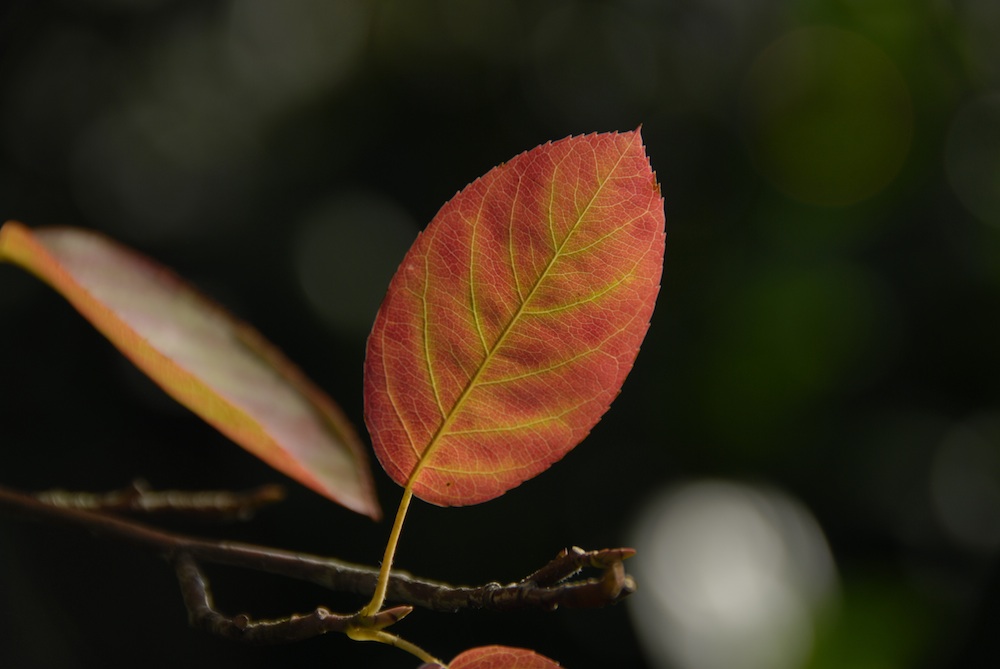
(558, 583)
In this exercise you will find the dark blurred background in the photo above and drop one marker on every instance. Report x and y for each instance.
(807, 453)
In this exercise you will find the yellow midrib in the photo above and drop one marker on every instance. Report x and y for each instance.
(473, 381)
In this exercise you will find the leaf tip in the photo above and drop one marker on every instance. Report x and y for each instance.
(7, 230)
(364, 503)
(373, 511)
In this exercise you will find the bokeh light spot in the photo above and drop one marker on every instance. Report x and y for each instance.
(141, 172)
(52, 95)
(345, 252)
(592, 65)
(733, 576)
(287, 51)
(972, 157)
(965, 484)
(786, 339)
(978, 22)
(828, 116)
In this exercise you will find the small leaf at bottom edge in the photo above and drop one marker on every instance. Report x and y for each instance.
(501, 657)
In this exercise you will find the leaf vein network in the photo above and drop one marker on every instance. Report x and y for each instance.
(392, 401)
(520, 426)
(473, 303)
(510, 239)
(599, 348)
(474, 380)
(427, 338)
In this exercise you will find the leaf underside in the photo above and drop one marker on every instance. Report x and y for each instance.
(221, 369)
(514, 319)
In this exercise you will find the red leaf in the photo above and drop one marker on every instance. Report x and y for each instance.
(216, 366)
(501, 657)
(513, 320)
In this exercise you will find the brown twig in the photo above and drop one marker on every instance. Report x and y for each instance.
(296, 627)
(139, 498)
(548, 588)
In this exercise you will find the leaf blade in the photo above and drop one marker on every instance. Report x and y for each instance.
(221, 369)
(501, 657)
(513, 320)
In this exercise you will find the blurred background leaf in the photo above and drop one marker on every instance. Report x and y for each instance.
(824, 353)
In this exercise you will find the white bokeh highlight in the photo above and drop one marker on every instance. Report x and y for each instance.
(730, 576)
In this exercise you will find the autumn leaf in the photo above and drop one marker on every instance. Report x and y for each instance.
(514, 319)
(498, 657)
(221, 369)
